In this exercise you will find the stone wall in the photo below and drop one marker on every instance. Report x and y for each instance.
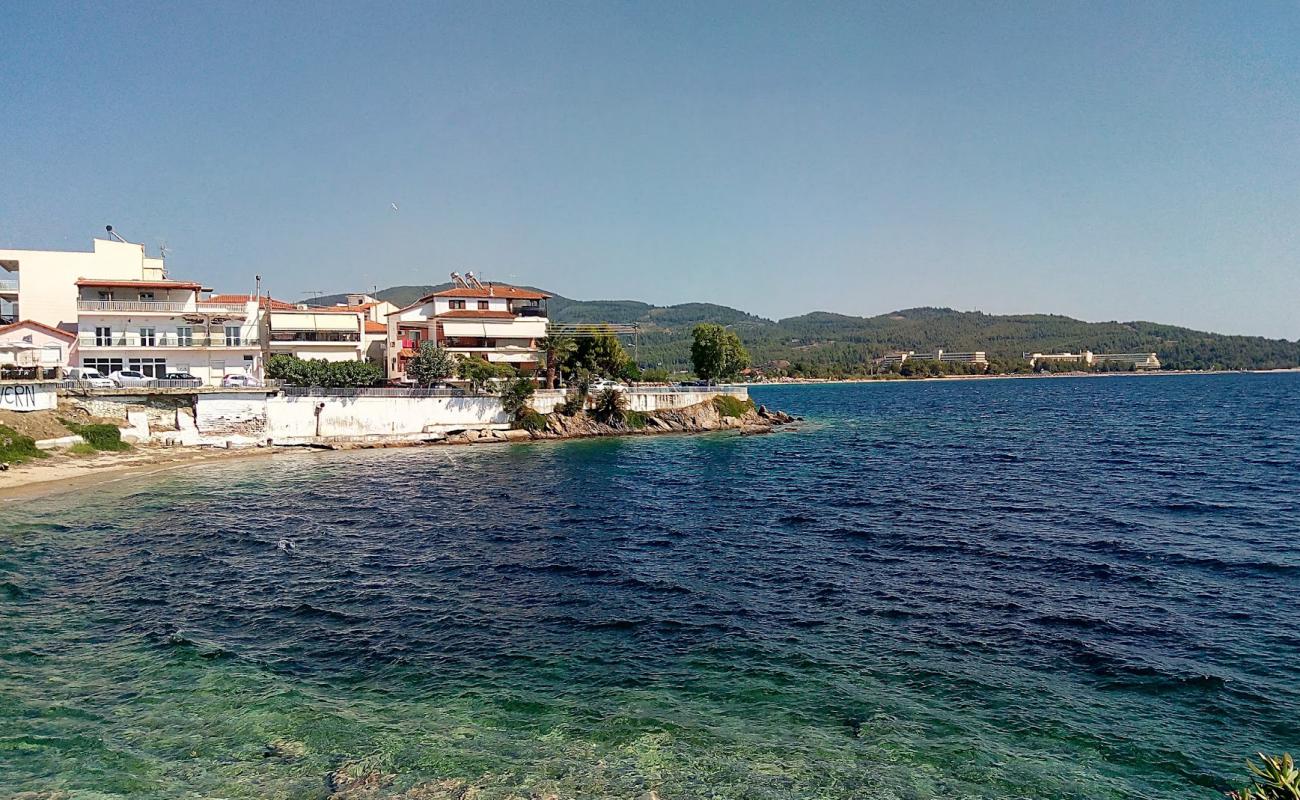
(159, 409)
(234, 415)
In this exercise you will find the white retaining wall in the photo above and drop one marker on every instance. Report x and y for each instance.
(36, 396)
(289, 419)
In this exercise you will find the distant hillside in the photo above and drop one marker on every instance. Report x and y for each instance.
(822, 343)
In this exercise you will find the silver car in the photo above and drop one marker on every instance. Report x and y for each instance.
(129, 377)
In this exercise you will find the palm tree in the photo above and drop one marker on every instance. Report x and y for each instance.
(557, 349)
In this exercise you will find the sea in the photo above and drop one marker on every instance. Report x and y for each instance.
(1036, 588)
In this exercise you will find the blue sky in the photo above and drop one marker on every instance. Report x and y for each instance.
(1105, 161)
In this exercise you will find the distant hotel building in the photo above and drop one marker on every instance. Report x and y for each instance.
(1089, 358)
(899, 357)
(502, 324)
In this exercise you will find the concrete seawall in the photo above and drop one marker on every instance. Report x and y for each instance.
(258, 417)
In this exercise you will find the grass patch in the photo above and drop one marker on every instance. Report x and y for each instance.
(99, 436)
(636, 420)
(82, 449)
(729, 406)
(16, 448)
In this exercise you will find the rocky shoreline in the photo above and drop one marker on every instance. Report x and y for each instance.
(703, 417)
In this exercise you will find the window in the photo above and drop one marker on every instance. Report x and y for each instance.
(149, 367)
(185, 337)
(105, 296)
(456, 304)
(104, 365)
(103, 337)
(232, 336)
(482, 305)
(146, 297)
(148, 337)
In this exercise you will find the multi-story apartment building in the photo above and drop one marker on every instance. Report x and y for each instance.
(161, 326)
(499, 323)
(40, 285)
(901, 356)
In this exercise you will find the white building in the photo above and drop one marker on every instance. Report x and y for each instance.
(900, 356)
(1138, 360)
(40, 285)
(162, 326)
(501, 324)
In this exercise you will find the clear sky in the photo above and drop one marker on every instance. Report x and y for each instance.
(1105, 161)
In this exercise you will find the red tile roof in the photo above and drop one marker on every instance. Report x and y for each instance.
(140, 284)
(491, 290)
(267, 302)
(376, 327)
(31, 323)
(474, 313)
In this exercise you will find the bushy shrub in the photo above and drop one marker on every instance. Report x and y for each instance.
(16, 448)
(100, 436)
(319, 372)
(610, 406)
(729, 406)
(636, 420)
(515, 396)
(575, 404)
(532, 421)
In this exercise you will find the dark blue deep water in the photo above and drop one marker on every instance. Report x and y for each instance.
(1066, 588)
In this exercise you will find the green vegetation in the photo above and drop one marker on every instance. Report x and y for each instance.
(610, 406)
(716, 353)
(16, 448)
(515, 396)
(601, 355)
(482, 374)
(557, 349)
(729, 406)
(319, 372)
(431, 365)
(532, 421)
(825, 345)
(1276, 779)
(636, 420)
(82, 449)
(100, 436)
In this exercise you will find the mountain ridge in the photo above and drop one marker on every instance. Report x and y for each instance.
(827, 343)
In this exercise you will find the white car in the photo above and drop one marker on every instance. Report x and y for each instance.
(605, 383)
(88, 376)
(238, 380)
(129, 377)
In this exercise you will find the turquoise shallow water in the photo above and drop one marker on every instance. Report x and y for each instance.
(1056, 588)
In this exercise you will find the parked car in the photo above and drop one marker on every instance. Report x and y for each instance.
(88, 376)
(238, 380)
(129, 377)
(183, 377)
(605, 383)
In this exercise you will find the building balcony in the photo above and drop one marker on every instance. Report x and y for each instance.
(8, 287)
(314, 337)
(89, 341)
(158, 307)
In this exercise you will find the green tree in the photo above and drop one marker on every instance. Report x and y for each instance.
(602, 355)
(716, 353)
(515, 396)
(558, 349)
(482, 374)
(431, 365)
(319, 372)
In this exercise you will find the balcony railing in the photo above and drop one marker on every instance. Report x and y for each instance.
(315, 337)
(8, 286)
(160, 307)
(90, 340)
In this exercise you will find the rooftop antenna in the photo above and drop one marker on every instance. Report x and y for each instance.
(113, 234)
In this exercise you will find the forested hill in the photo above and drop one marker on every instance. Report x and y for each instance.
(826, 344)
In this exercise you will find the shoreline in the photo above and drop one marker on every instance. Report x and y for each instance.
(1021, 376)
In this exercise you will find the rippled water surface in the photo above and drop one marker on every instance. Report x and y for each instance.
(1072, 588)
